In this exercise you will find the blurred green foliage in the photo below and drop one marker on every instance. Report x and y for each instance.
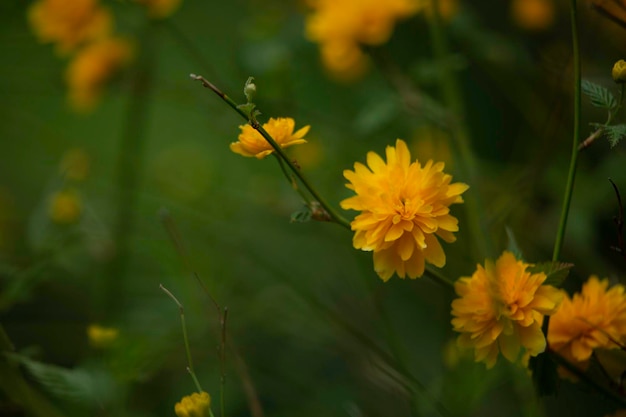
(300, 298)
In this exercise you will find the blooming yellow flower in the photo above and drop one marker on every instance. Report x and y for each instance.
(101, 337)
(501, 309)
(404, 207)
(69, 23)
(194, 405)
(594, 318)
(92, 67)
(341, 26)
(533, 14)
(619, 71)
(160, 9)
(251, 143)
(65, 207)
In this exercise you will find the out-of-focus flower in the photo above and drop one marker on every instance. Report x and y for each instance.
(160, 9)
(75, 164)
(501, 309)
(533, 15)
(404, 208)
(194, 405)
(69, 24)
(101, 337)
(251, 143)
(65, 206)
(341, 26)
(594, 318)
(92, 67)
(619, 72)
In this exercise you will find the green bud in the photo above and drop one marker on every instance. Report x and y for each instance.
(619, 72)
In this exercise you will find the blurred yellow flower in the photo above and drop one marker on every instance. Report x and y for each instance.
(619, 71)
(404, 207)
(501, 309)
(533, 15)
(101, 337)
(341, 26)
(194, 405)
(251, 143)
(160, 9)
(593, 318)
(69, 24)
(75, 164)
(92, 67)
(65, 207)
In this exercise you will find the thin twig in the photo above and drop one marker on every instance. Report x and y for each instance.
(619, 222)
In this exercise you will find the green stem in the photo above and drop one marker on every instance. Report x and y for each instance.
(185, 337)
(451, 92)
(569, 187)
(334, 215)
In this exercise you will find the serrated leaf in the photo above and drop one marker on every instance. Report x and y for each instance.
(556, 272)
(74, 385)
(512, 245)
(615, 133)
(302, 216)
(599, 95)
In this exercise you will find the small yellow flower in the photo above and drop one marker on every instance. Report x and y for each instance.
(341, 26)
(501, 308)
(65, 207)
(251, 143)
(101, 337)
(619, 72)
(593, 318)
(404, 208)
(194, 405)
(69, 24)
(160, 9)
(92, 67)
(533, 15)
(75, 164)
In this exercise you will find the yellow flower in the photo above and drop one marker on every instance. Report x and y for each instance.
(404, 207)
(101, 337)
(501, 309)
(619, 71)
(594, 318)
(194, 405)
(160, 9)
(69, 23)
(65, 207)
(251, 143)
(341, 26)
(533, 14)
(92, 67)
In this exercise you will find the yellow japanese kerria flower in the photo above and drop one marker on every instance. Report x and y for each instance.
(533, 15)
(251, 143)
(593, 318)
(101, 337)
(619, 72)
(65, 207)
(69, 23)
(341, 26)
(92, 67)
(501, 309)
(404, 208)
(194, 405)
(159, 9)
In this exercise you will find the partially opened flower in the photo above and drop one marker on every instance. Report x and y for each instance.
(252, 143)
(69, 24)
(404, 210)
(92, 67)
(593, 318)
(500, 309)
(194, 405)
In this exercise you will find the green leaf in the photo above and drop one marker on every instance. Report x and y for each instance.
(556, 272)
(302, 216)
(599, 95)
(615, 134)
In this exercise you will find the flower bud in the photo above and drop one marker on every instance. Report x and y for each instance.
(249, 89)
(619, 72)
